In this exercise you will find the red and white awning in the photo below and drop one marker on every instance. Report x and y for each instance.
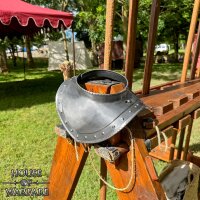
(20, 18)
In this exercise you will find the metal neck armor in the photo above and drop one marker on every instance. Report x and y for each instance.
(92, 117)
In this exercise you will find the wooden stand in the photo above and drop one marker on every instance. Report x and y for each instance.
(66, 170)
(184, 100)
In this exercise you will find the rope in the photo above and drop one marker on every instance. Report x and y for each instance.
(76, 150)
(159, 139)
(133, 167)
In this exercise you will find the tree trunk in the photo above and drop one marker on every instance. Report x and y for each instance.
(3, 61)
(12, 52)
(30, 60)
(94, 57)
(176, 46)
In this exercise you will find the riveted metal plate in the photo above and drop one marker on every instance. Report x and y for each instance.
(90, 117)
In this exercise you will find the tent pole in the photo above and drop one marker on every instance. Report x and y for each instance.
(24, 64)
(74, 53)
(190, 40)
(65, 43)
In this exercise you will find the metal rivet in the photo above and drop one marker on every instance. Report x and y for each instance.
(129, 111)
(122, 119)
(95, 136)
(71, 130)
(103, 133)
(135, 106)
(85, 137)
(128, 101)
(76, 135)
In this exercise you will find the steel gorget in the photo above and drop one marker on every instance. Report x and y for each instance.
(90, 117)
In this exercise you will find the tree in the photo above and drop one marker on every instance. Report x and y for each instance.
(174, 21)
(3, 57)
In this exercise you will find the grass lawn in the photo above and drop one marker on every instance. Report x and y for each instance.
(28, 117)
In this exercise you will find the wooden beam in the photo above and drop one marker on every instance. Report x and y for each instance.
(196, 55)
(131, 41)
(65, 170)
(103, 174)
(110, 8)
(155, 10)
(190, 40)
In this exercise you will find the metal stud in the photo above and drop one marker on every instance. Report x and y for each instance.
(86, 137)
(103, 133)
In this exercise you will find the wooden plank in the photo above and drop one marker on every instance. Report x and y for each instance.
(169, 131)
(142, 186)
(174, 115)
(190, 40)
(182, 86)
(65, 170)
(151, 168)
(172, 146)
(180, 144)
(103, 173)
(155, 10)
(165, 97)
(193, 95)
(131, 41)
(195, 159)
(161, 110)
(179, 101)
(97, 88)
(196, 55)
(164, 155)
(117, 88)
(187, 140)
(197, 113)
(184, 122)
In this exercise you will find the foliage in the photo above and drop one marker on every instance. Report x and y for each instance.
(93, 22)
(174, 19)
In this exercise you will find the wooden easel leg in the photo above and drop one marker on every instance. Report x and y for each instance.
(142, 187)
(65, 170)
(104, 176)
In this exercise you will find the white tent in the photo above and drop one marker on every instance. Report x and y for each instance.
(57, 55)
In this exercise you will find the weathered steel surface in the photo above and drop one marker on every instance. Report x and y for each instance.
(99, 116)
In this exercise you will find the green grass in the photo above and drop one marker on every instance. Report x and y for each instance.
(28, 117)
